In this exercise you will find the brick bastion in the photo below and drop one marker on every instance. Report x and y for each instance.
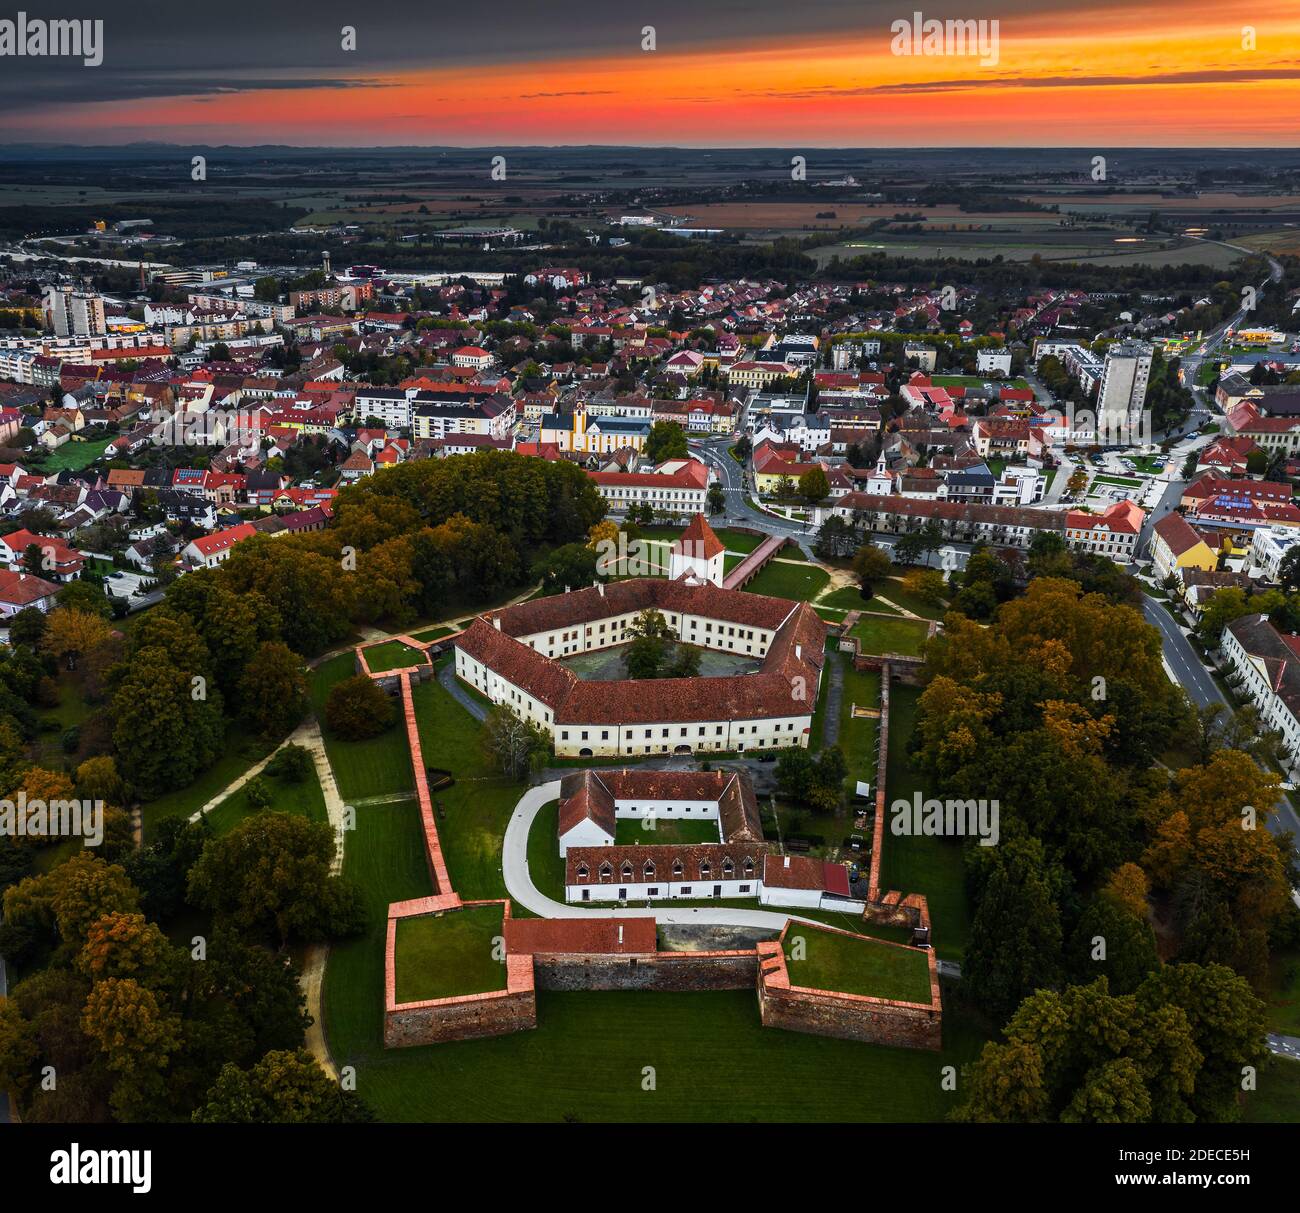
(623, 954)
(884, 1021)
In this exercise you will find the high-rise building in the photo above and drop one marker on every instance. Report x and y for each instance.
(1123, 387)
(72, 313)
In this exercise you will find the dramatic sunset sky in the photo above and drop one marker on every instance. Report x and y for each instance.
(725, 73)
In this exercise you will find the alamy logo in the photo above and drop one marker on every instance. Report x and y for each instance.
(77, 1166)
(922, 36)
(921, 818)
(35, 36)
(34, 818)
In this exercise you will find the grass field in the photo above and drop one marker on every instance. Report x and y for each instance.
(880, 634)
(303, 799)
(439, 956)
(932, 866)
(392, 655)
(73, 456)
(667, 831)
(802, 583)
(430, 634)
(1124, 482)
(857, 966)
(847, 598)
(858, 734)
(378, 766)
(477, 808)
(897, 593)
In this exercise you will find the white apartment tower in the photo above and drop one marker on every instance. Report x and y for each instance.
(73, 314)
(1123, 387)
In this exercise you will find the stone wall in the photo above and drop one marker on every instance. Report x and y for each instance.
(663, 971)
(848, 1016)
(468, 1016)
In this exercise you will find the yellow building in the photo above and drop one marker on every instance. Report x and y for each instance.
(1176, 545)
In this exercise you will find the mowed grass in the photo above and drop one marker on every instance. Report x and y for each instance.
(880, 634)
(548, 1075)
(431, 634)
(666, 831)
(859, 734)
(545, 863)
(443, 955)
(304, 799)
(378, 766)
(476, 810)
(931, 866)
(392, 655)
(857, 965)
(384, 855)
(847, 598)
(799, 582)
(897, 593)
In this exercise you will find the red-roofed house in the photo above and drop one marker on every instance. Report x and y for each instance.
(58, 561)
(210, 550)
(1112, 533)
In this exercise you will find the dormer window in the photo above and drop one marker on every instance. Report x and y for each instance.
(649, 870)
(627, 870)
(727, 869)
(606, 872)
(677, 869)
(583, 871)
(749, 867)
(705, 869)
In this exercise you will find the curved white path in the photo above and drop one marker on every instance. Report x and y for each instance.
(519, 883)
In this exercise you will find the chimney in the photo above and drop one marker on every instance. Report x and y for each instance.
(496, 622)
(798, 652)
(787, 862)
(620, 934)
(600, 588)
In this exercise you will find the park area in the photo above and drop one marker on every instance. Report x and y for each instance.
(392, 655)
(855, 964)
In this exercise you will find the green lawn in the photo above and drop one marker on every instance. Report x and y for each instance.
(477, 808)
(858, 735)
(378, 766)
(442, 955)
(392, 655)
(857, 965)
(931, 866)
(847, 598)
(303, 799)
(896, 593)
(431, 634)
(73, 456)
(880, 634)
(667, 831)
(545, 864)
(384, 855)
(1123, 481)
(802, 583)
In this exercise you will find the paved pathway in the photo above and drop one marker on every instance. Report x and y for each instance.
(313, 968)
(1284, 1046)
(830, 705)
(447, 677)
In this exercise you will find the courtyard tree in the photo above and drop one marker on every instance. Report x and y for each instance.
(357, 708)
(511, 744)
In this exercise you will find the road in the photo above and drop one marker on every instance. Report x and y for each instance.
(731, 476)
